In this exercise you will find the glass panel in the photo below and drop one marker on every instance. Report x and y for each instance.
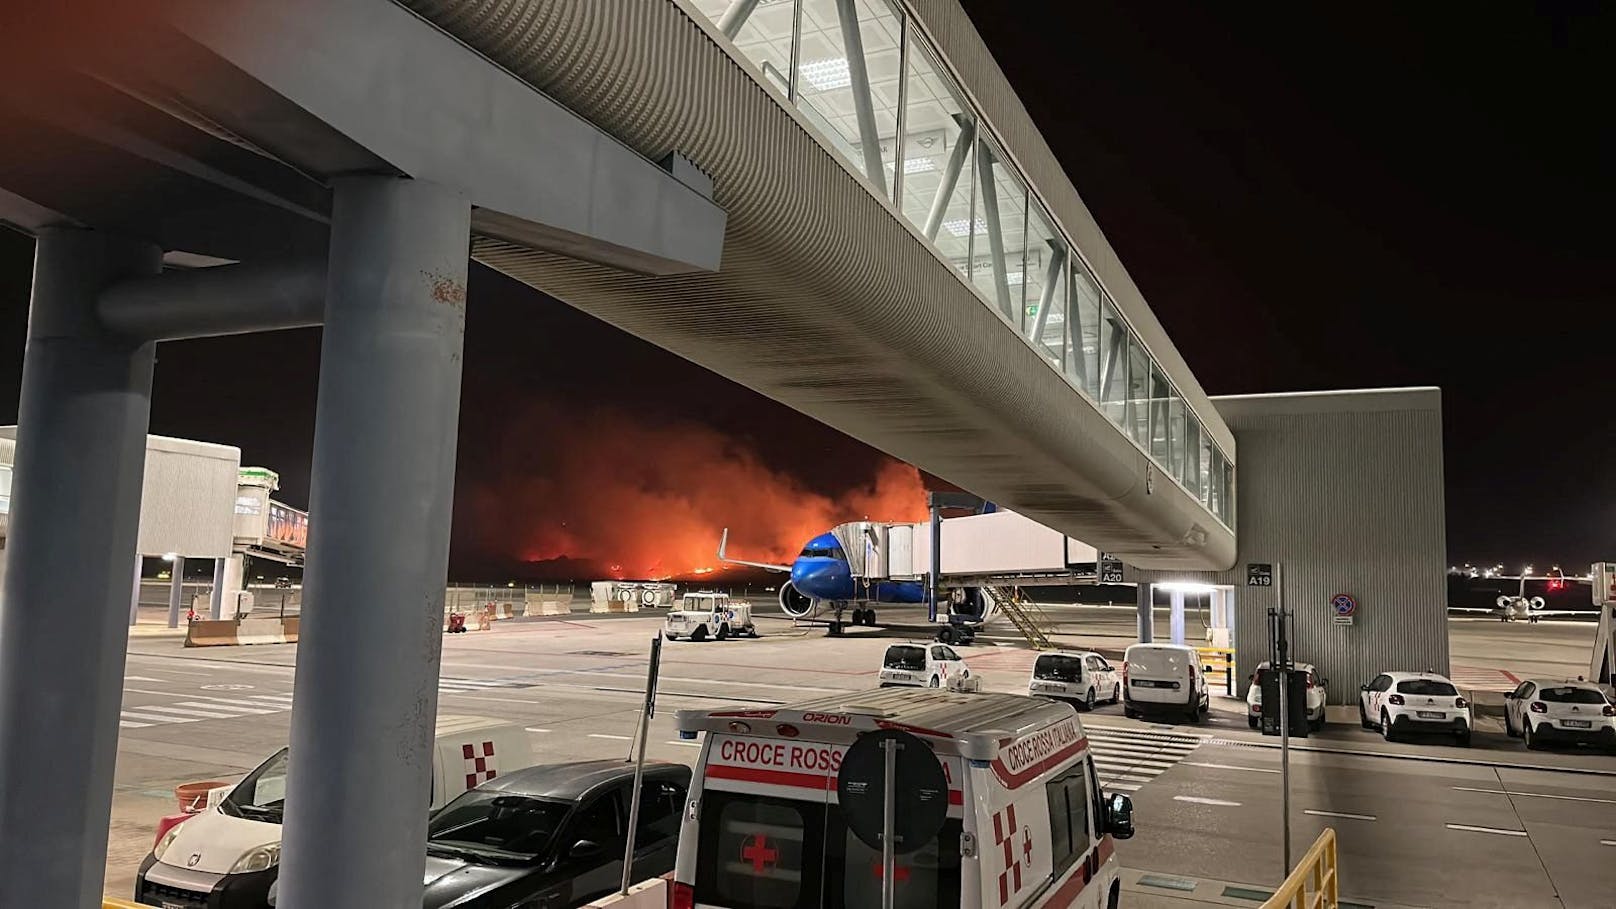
(1160, 427)
(763, 37)
(938, 139)
(1175, 441)
(1138, 392)
(1043, 310)
(1113, 363)
(847, 81)
(1190, 469)
(1214, 496)
(1205, 466)
(1085, 309)
(1228, 494)
(998, 231)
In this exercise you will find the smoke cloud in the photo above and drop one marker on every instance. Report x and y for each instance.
(636, 499)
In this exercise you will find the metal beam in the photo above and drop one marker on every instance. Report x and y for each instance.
(863, 104)
(735, 17)
(223, 300)
(74, 523)
(990, 215)
(1052, 275)
(951, 175)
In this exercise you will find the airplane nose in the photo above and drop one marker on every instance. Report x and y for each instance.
(821, 579)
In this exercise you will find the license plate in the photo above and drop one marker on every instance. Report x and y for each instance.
(1578, 724)
(173, 906)
(1431, 714)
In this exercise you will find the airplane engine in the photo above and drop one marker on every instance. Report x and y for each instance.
(1503, 602)
(796, 604)
(1538, 603)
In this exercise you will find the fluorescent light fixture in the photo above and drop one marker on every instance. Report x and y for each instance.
(918, 165)
(959, 227)
(826, 75)
(1184, 587)
(170, 556)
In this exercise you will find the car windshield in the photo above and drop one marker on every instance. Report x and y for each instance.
(1427, 687)
(1057, 668)
(496, 826)
(261, 795)
(905, 657)
(1571, 694)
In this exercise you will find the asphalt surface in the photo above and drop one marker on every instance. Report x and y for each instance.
(1423, 824)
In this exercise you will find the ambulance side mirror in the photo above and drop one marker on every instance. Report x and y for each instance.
(1119, 816)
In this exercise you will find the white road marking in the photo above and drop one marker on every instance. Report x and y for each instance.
(140, 678)
(239, 711)
(1486, 830)
(132, 715)
(1536, 795)
(602, 735)
(537, 729)
(1607, 842)
(1228, 767)
(686, 744)
(271, 697)
(126, 724)
(1201, 801)
(1352, 817)
(186, 711)
(1125, 787)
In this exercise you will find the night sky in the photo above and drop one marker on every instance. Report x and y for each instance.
(1309, 199)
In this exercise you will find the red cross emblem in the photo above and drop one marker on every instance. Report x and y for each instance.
(1026, 849)
(757, 852)
(899, 872)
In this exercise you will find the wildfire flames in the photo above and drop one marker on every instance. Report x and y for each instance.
(636, 500)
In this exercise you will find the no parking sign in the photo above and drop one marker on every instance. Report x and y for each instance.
(1344, 607)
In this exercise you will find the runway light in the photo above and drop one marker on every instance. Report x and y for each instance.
(1185, 587)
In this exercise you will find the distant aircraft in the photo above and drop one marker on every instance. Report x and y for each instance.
(1511, 608)
(822, 579)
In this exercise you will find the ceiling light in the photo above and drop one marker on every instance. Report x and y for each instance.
(1184, 587)
(826, 75)
(959, 227)
(918, 165)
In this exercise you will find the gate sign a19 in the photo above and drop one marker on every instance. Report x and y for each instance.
(1344, 607)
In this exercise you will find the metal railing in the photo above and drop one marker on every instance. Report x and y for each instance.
(1023, 615)
(1215, 659)
(1312, 884)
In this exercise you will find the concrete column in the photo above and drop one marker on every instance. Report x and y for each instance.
(216, 599)
(1176, 622)
(381, 491)
(134, 594)
(75, 518)
(176, 591)
(1147, 613)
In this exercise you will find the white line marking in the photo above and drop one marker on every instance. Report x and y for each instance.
(686, 744)
(1607, 842)
(256, 706)
(1200, 801)
(186, 711)
(270, 697)
(1158, 766)
(1486, 830)
(1126, 787)
(537, 729)
(239, 711)
(125, 724)
(132, 715)
(1228, 767)
(1536, 795)
(602, 735)
(1353, 817)
(140, 678)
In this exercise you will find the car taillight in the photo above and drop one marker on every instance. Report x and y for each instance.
(1460, 702)
(682, 896)
(1124, 672)
(1538, 707)
(1309, 683)
(1610, 710)
(1395, 699)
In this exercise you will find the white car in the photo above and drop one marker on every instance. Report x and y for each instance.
(1317, 695)
(922, 666)
(1402, 702)
(709, 616)
(1081, 678)
(1543, 711)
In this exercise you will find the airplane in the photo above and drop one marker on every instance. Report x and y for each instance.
(1511, 608)
(822, 580)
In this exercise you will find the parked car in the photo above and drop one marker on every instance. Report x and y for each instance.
(1081, 678)
(1317, 695)
(1403, 702)
(552, 835)
(709, 616)
(922, 666)
(1164, 678)
(1543, 711)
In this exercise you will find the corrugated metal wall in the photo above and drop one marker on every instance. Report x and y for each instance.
(1344, 490)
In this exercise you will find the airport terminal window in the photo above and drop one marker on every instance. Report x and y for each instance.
(1044, 288)
(1113, 363)
(998, 230)
(1205, 465)
(939, 135)
(847, 79)
(5, 488)
(1227, 516)
(1138, 392)
(1160, 428)
(1190, 469)
(1086, 331)
(763, 36)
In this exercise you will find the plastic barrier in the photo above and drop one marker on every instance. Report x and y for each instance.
(208, 633)
(110, 903)
(1312, 884)
(1219, 659)
(651, 894)
(230, 632)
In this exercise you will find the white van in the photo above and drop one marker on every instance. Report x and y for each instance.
(1164, 678)
(1027, 823)
(1081, 679)
(229, 855)
(709, 616)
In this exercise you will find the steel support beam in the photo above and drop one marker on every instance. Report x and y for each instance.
(735, 17)
(858, 75)
(1052, 275)
(990, 215)
(382, 485)
(216, 600)
(134, 596)
(75, 518)
(951, 174)
(224, 300)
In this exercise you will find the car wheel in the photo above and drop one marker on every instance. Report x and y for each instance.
(1195, 712)
(1509, 725)
(1386, 731)
(752, 632)
(1130, 713)
(1363, 717)
(1533, 742)
(1116, 694)
(1252, 722)
(1088, 701)
(936, 682)
(723, 632)
(869, 617)
(670, 636)
(699, 635)
(1463, 738)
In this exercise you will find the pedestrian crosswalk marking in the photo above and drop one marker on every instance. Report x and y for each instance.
(460, 685)
(202, 708)
(1126, 759)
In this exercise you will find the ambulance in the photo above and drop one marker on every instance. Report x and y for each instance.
(1027, 823)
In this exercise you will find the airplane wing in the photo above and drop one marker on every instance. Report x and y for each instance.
(1479, 610)
(1585, 612)
(723, 542)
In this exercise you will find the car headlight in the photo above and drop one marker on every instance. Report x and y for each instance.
(165, 842)
(261, 859)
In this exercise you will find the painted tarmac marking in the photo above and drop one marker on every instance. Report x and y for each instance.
(602, 735)
(1496, 830)
(1536, 795)
(1350, 817)
(1195, 799)
(1229, 767)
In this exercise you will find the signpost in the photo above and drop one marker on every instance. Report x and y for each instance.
(639, 762)
(1110, 569)
(1344, 608)
(894, 796)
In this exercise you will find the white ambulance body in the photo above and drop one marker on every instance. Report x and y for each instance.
(1027, 823)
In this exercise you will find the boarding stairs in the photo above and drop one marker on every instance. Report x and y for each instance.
(1031, 621)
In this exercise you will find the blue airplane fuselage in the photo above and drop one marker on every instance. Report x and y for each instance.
(822, 572)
